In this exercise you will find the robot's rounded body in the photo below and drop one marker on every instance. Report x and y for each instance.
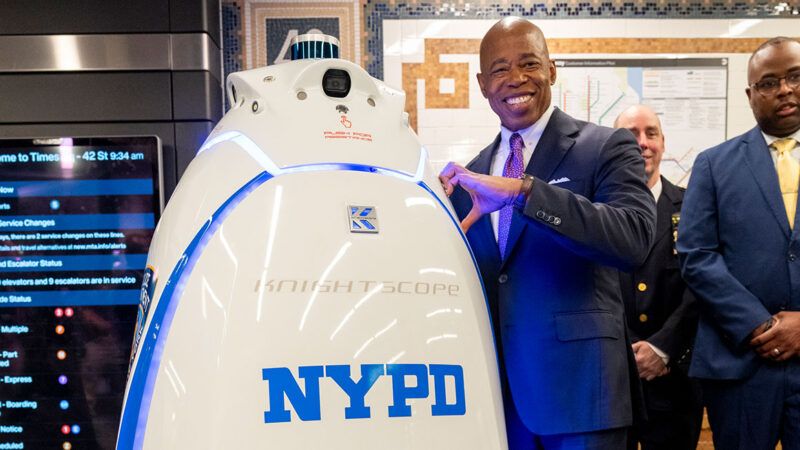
(308, 286)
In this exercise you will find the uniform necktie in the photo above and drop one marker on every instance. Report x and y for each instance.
(788, 176)
(512, 169)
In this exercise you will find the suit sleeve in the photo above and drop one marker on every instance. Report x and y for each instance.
(618, 228)
(732, 307)
(677, 334)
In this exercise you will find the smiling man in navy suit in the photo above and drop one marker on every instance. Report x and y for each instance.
(551, 209)
(739, 244)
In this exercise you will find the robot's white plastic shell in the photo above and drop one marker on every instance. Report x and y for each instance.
(256, 267)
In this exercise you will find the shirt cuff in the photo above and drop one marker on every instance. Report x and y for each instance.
(664, 357)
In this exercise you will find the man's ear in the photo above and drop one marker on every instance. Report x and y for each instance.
(479, 76)
(552, 69)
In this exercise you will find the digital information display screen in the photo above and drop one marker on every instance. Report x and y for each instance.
(76, 219)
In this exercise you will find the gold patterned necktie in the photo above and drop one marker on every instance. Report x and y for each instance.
(788, 175)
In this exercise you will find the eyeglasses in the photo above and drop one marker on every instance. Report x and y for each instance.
(771, 85)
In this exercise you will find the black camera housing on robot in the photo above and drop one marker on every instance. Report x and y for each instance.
(336, 83)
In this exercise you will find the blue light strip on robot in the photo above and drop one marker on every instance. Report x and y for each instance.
(332, 167)
(140, 393)
(255, 152)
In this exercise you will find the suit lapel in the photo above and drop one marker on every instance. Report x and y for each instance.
(483, 162)
(794, 230)
(482, 229)
(760, 163)
(665, 204)
(554, 144)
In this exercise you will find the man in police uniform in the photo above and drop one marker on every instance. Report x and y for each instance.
(661, 312)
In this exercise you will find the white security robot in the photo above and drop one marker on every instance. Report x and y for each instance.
(308, 286)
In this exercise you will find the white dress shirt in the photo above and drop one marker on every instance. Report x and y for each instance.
(774, 153)
(656, 190)
(530, 136)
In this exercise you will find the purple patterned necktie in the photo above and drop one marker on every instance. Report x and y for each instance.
(512, 169)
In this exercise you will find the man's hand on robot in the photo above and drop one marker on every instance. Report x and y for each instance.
(488, 193)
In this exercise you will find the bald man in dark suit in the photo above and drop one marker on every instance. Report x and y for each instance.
(739, 243)
(572, 207)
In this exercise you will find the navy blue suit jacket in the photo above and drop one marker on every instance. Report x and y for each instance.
(662, 310)
(555, 299)
(737, 253)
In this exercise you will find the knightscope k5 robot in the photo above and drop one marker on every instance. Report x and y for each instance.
(308, 286)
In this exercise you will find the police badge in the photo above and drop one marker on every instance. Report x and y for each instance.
(676, 219)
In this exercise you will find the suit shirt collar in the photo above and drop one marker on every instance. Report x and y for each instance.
(530, 136)
(774, 153)
(657, 188)
(770, 139)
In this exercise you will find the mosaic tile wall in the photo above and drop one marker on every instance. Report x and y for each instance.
(368, 17)
(375, 12)
(429, 49)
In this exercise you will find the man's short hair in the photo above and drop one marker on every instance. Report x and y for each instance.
(778, 40)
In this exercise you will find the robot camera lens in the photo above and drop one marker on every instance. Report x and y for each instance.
(336, 83)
